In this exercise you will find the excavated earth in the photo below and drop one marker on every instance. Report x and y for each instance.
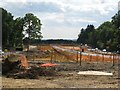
(65, 75)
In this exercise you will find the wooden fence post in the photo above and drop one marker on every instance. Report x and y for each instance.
(90, 58)
(80, 57)
(103, 57)
(97, 58)
(51, 56)
(77, 56)
(55, 55)
(33, 56)
(118, 59)
(113, 60)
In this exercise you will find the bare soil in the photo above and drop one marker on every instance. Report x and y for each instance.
(67, 77)
(67, 74)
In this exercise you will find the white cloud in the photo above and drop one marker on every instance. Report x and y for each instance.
(82, 20)
(56, 17)
(119, 6)
(3, 4)
(64, 15)
(102, 6)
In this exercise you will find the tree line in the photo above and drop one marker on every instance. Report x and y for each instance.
(106, 36)
(27, 29)
(14, 31)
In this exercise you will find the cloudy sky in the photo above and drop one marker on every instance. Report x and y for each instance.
(63, 19)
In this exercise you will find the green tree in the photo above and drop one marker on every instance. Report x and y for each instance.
(18, 31)
(7, 29)
(84, 35)
(116, 23)
(32, 27)
(14, 31)
(80, 36)
(107, 35)
(116, 20)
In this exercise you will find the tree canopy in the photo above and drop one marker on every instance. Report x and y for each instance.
(7, 29)
(15, 30)
(106, 36)
(32, 26)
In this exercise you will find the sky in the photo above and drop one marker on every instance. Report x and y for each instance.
(63, 19)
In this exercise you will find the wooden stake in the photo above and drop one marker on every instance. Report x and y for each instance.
(80, 57)
(90, 58)
(77, 56)
(51, 56)
(97, 58)
(103, 57)
(113, 60)
(55, 55)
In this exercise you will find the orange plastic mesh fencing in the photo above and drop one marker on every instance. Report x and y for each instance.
(93, 58)
(24, 61)
(89, 57)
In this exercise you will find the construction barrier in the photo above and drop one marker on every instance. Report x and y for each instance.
(88, 57)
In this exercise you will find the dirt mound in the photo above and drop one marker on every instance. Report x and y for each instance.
(8, 66)
(21, 69)
(32, 73)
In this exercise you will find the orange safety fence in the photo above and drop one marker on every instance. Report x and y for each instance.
(101, 58)
(90, 57)
(24, 61)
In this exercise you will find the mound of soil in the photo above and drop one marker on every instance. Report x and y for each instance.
(15, 70)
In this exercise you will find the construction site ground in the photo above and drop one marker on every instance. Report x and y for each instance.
(67, 77)
(66, 73)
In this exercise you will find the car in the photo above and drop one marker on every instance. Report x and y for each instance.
(104, 50)
(118, 52)
(1, 53)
